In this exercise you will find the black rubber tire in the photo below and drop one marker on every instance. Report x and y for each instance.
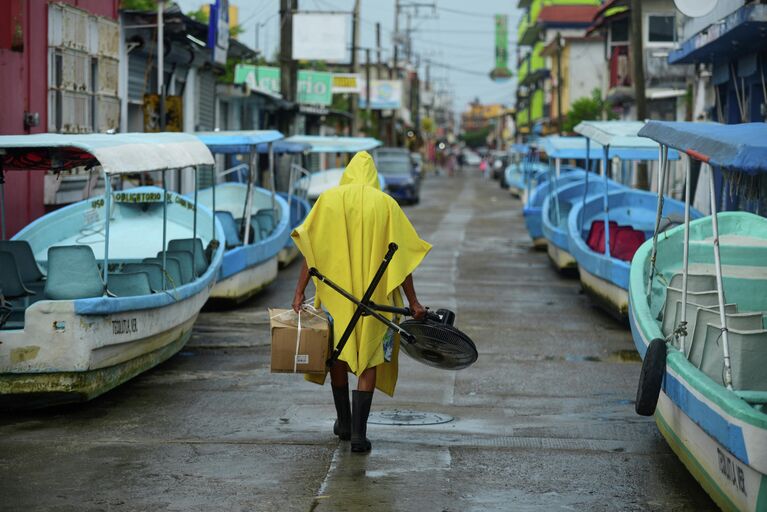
(651, 377)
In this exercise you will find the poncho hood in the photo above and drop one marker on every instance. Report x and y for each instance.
(361, 171)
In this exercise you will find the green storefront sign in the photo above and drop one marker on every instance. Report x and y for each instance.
(314, 87)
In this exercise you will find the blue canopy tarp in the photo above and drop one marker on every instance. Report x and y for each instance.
(733, 147)
(556, 146)
(322, 144)
(237, 142)
(285, 146)
(623, 139)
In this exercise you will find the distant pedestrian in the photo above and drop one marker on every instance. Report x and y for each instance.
(345, 236)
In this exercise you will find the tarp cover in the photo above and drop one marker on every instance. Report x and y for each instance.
(321, 144)
(623, 139)
(237, 142)
(734, 147)
(570, 147)
(284, 146)
(117, 154)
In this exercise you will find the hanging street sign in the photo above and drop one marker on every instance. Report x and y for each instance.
(384, 94)
(501, 72)
(346, 83)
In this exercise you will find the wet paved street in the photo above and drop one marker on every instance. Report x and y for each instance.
(543, 421)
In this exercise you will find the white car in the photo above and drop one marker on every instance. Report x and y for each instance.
(471, 158)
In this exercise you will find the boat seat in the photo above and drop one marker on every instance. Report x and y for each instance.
(695, 282)
(231, 233)
(72, 273)
(152, 270)
(748, 357)
(173, 277)
(704, 317)
(186, 265)
(129, 284)
(255, 230)
(266, 221)
(30, 273)
(11, 285)
(705, 299)
(186, 244)
(627, 242)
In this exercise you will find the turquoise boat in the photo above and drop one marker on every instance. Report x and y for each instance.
(605, 231)
(106, 288)
(532, 210)
(698, 296)
(255, 220)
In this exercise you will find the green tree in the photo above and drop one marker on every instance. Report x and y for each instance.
(138, 5)
(588, 109)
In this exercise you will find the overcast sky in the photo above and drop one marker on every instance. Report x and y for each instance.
(463, 40)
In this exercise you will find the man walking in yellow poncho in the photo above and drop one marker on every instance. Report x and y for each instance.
(345, 236)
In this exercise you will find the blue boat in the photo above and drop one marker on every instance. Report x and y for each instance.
(106, 288)
(256, 220)
(557, 148)
(605, 231)
(697, 313)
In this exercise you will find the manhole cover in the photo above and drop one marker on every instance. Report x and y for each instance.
(407, 417)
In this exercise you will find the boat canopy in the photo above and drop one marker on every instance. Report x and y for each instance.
(734, 147)
(122, 153)
(520, 148)
(322, 144)
(556, 146)
(285, 146)
(238, 142)
(623, 139)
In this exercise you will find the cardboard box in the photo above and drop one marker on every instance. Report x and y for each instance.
(304, 351)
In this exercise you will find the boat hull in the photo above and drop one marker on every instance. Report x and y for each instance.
(607, 295)
(560, 258)
(287, 255)
(62, 356)
(246, 283)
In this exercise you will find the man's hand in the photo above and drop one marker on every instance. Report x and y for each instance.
(417, 310)
(298, 301)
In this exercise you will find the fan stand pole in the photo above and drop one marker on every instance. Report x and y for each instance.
(363, 305)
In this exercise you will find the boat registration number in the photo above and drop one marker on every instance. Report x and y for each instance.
(732, 471)
(124, 326)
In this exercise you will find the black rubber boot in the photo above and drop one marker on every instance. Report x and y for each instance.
(361, 401)
(343, 425)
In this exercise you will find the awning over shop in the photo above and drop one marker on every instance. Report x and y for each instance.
(736, 147)
(122, 153)
(742, 32)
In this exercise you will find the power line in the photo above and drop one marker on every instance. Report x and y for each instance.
(465, 13)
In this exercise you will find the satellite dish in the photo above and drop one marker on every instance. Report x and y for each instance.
(695, 8)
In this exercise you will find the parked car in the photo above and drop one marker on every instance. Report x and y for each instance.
(471, 158)
(402, 180)
(500, 160)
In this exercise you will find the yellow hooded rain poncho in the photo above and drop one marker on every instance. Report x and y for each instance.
(345, 236)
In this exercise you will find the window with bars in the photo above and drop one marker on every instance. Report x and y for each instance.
(83, 71)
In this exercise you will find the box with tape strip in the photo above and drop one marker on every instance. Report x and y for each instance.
(300, 343)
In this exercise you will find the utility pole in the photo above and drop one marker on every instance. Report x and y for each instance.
(559, 84)
(288, 67)
(396, 39)
(637, 72)
(368, 117)
(354, 68)
(160, 62)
